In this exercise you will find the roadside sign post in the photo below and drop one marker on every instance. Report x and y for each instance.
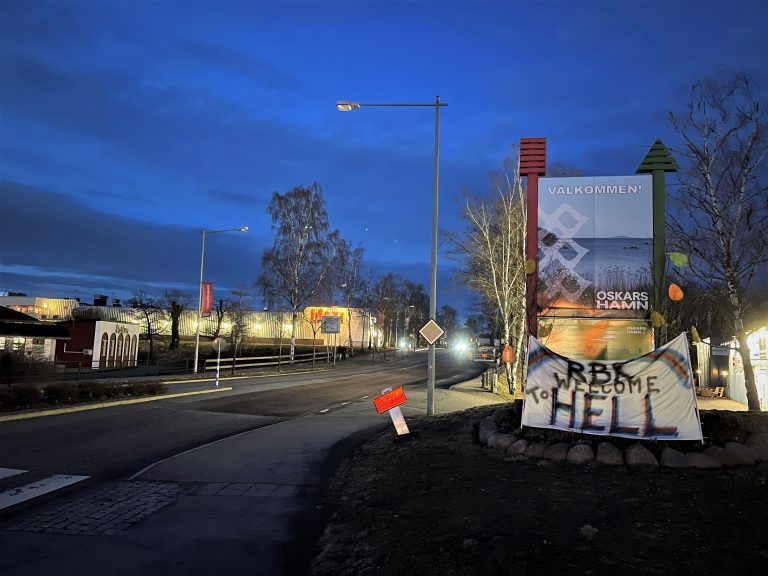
(390, 401)
(331, 325)
(217, 346)
(431, 333)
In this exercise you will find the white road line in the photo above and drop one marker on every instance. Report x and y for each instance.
(8, 472)
(44, 486)
(343, 403)
(324, 411)
(364, 397)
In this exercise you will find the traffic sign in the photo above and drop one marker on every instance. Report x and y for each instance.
(389, 400)
(431, 331)
(330, 325)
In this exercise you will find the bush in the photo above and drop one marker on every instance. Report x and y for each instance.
(61, 393)
(25, 395)
(91, 390)
(7, 400)
(153, 388)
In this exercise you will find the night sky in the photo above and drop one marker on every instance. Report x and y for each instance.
(126, 127)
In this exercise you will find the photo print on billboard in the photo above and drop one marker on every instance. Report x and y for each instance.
(595, 241)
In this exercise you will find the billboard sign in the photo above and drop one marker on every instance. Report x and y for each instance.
(596, 338)
(595, 242)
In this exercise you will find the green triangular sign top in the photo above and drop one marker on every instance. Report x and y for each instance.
(658, 158)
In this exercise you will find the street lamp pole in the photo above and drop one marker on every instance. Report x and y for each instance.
(347, 106)
(203, 232)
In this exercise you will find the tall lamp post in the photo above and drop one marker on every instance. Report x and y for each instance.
(203, 232)
(346, 106)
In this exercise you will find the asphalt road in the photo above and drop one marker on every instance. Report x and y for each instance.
(112, 443)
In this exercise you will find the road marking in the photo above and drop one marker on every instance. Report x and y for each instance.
(324, 411)
(343, 403)
(364, 397)
(8, 472)
(35, 489)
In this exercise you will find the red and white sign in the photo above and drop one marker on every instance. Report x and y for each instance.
(206, 299)
(389, 400)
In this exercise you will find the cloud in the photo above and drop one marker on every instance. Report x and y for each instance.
(239, 63)
(50, 239)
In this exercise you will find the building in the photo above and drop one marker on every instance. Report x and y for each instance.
(100, 344)
(27, 338)
(722, 366)
(48, 309)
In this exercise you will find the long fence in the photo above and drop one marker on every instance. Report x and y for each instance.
(263, 361)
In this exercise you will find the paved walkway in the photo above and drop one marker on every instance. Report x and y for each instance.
(247, 504)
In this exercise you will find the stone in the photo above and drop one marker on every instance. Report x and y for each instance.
(557, 452)
(518, 448)
(486, 429)
(702, 461)
(500, 416)
(743, 455)
(638, 455)
(502, 441)
(535, 450)
(580, 454)
(725, 457)
(671, 458)
(608, 454)
(758, 442)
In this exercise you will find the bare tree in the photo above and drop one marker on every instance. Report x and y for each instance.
(220, 310)
(315, 322)
(447, 318)
(493, 251)
(719, 213)
(296, 268)
(237, 313)
(175, 302)
(151, 316)
(349, 263)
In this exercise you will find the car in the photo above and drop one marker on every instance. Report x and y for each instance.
(485, 354)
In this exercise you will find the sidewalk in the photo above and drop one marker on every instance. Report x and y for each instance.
(247, 504)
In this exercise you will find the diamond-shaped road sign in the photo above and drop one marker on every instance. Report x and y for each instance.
(431, 331)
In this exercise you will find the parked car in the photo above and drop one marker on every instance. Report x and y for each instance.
(485, 354)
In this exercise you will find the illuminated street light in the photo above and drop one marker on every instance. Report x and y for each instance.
(203, 232)
(347, 106)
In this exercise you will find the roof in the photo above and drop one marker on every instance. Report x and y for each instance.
(18, 325)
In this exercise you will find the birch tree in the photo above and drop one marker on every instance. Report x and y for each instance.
(296, 268)
(493, 250)
(349, 263)
(719, 215)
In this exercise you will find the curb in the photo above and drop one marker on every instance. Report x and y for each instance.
(83, 408)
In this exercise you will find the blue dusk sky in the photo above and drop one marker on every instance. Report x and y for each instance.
(126, 127)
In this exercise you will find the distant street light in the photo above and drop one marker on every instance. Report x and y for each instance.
(347, 106)
(203, 232)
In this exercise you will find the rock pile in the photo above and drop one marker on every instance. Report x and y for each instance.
(513, 447)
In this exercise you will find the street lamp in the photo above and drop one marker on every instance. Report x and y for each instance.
(203, 232)
(347, 106)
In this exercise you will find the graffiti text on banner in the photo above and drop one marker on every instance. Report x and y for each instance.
(650, 397)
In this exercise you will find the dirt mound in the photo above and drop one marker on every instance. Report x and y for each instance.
(437, 502)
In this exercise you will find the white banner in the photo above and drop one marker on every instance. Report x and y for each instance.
(651, 397)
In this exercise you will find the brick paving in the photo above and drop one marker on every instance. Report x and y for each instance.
(106, 512)
(109, 511)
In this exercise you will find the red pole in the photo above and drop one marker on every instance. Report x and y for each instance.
(533, 163)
